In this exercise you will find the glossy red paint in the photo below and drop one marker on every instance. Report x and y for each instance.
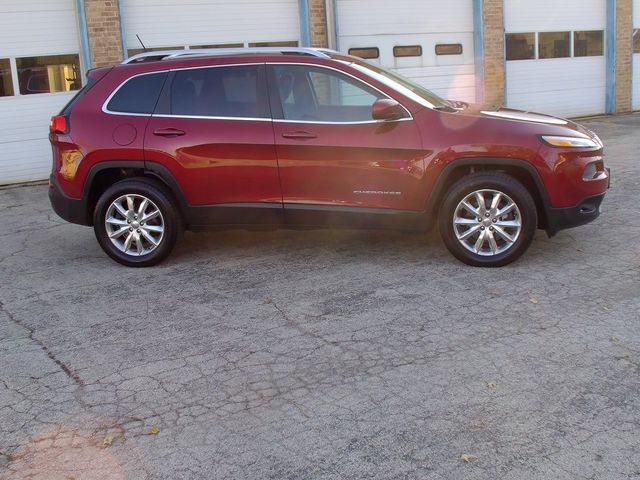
(389, 165)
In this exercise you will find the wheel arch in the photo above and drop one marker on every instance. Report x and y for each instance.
(106, 173)
(521, 170)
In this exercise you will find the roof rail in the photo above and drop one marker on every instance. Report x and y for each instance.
(205, 52)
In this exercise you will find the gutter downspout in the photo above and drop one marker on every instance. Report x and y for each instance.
(122, 32)
(478, 48)
(84, 35)
(305, 27)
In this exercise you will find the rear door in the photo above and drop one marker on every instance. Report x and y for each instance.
(332, 153)
(212, 129)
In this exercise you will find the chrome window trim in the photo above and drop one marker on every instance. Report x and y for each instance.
(253, 119)
(113, 94)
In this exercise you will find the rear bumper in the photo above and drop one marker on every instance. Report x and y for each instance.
(584, 212)
(70, 209)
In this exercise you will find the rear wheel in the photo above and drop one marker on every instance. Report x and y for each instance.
(488, 219)
(136, 222)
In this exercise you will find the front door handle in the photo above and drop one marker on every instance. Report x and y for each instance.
(300, 135)
(169, 132)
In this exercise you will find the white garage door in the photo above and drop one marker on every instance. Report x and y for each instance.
(636, 54)
(555, 56)
(437, 36)
(164, 24)
(39, 65)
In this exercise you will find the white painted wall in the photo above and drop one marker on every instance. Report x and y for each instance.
(32, 28)
(169, 23)
(385, 24)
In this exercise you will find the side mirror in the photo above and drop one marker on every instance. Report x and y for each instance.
(387, 109)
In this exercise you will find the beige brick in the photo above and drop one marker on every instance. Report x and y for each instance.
(623, 55)
(103, 27)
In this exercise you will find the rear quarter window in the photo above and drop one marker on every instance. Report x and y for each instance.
(138, 94)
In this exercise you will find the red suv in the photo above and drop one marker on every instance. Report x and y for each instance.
(309, 138)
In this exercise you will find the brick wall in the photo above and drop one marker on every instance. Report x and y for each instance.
(103, 26)
(623, 55)
(494, 75)
(318, 23)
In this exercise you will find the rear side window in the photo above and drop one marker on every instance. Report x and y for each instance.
(138, 95)
(235, 91)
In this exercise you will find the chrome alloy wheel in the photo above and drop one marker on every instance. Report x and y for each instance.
(487, 222)
(134, 225)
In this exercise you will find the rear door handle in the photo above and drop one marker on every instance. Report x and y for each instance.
(299, 135)
(169, 132)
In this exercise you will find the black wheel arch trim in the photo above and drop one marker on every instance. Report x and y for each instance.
(435, 198)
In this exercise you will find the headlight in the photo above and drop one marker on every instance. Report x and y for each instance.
(569, 142)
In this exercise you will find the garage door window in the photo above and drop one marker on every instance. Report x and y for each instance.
(369, 52)
(228, 92)
(315, 94)
(588, 44)
(54, 73)
(636, 40)
(6, 84)
(554, 45)
(521, 46)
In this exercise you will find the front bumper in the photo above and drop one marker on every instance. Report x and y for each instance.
(584, 212)
(70, 209)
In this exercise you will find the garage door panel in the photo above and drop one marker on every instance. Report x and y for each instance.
(382, 17)
(169, 23)
(567, 87)
(554, 15)
(31, 27)
(25, 161)
(385, 25)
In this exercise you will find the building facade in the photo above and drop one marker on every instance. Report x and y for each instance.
(571, 58)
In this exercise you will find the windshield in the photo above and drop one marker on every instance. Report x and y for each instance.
(402, 84)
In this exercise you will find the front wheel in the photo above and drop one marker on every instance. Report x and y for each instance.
(136, 222)
(488, 219)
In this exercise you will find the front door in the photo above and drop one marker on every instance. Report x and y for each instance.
(332, 154)
(212, 129)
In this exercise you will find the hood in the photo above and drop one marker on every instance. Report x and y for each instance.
(512, 114)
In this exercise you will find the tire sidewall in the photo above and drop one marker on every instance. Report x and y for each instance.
(161, 200)
(505, 184)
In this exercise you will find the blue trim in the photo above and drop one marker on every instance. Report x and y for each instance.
(336, 28)
(123, 32)
(84, 34)
(610, 40)
(478, 48)
(305, 26)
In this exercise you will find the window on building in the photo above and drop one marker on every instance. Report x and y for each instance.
(588, 44)
(6, 82)
(138, 95)
(317, 94)
(554, 44)
(369, 52)
(235, 91)
(219, 45)
(53, 73)
(520, 46)
(636, 40)
(273, 44)
(449, 49)
(408, 51)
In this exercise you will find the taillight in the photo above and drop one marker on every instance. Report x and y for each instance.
(58, 124)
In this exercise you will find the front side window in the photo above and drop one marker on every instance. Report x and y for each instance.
(233, 92)
(6, 83)
(138, 95)
(316, 94)
(554, 44)
(48, 74)
(520, 46)
(588, 44)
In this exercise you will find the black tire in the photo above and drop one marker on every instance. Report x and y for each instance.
(488, 181)
(153, 191)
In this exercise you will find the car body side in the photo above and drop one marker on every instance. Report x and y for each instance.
(434, 149)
